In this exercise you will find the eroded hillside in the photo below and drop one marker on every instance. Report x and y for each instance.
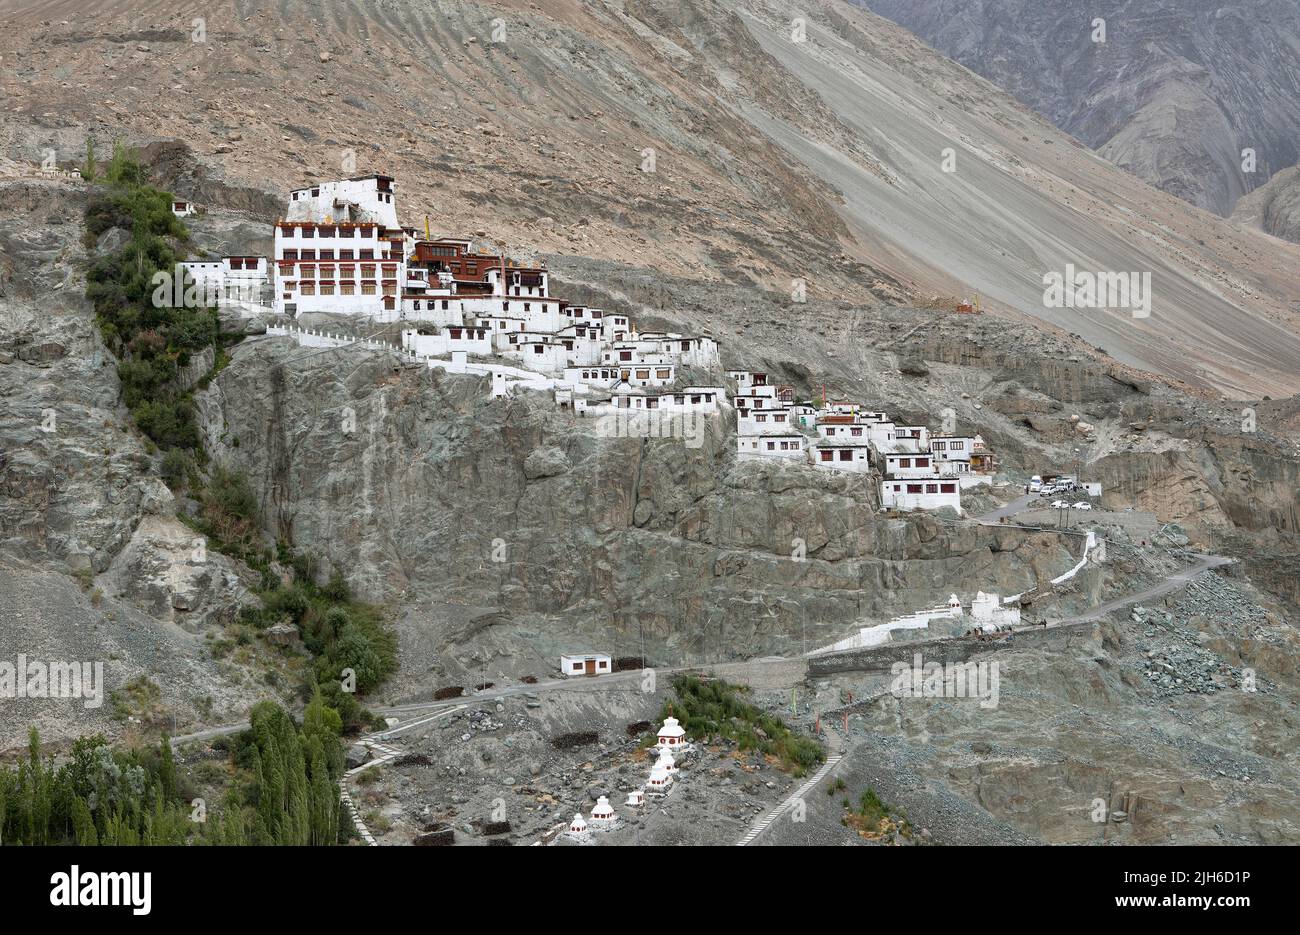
(773, 159)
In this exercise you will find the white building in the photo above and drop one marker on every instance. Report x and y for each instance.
(183, 209)
(912, 438)
(902, 466)
(232, 280)
(361, 198)
(443, 341)
(844, 456)
(636, 798)
(585, 664)
(988, 611)
(909, 495)
(349, 268)
(763, 422)
(791, 445)
(578, 827)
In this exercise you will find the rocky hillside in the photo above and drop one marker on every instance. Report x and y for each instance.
(536, 123)
(1175, 94)
(1274, 207)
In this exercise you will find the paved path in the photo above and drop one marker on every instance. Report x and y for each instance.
(1172, 583)
(777, 811)
(1011, 509)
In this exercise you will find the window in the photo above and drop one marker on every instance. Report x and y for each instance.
(759, 418)
(367, 288)
(290, 254)
(307, 288)
(913, 488)
(771, 446)
(577, 667)
(308, 255)
(905, 462)
(327, 254)
(846, 455)
(643, 374)
(948, 488)
(346, 254)
(350, 288)
(940, 446)
(826, 455)
(327, 288)
(922, 462)
(367, 254)
(958, 446)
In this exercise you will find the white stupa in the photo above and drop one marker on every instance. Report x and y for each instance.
(603, 812)
(660, 781)
(578, 825)
(666, 760)
(672, 734)
(636, 797)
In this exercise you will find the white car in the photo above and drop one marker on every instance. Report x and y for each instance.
(1060, 505)
(1083, 505)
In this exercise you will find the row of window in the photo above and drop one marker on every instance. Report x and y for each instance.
(369, 231)
(344, 288)
(294, 254)
(927, 488)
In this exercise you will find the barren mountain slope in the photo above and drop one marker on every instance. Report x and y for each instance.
(773, 159)
(1175, 92)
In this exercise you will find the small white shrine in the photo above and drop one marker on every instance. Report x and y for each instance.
(603, 812)
(578, 826)
(666, 761)
(660, 782)
(672, 735)
(636, 797)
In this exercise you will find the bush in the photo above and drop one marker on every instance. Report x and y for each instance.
(714, 708)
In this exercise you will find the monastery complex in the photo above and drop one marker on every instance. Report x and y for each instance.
(340, 250)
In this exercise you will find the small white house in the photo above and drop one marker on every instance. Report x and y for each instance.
(771, 446)
(920, 495)
(844, 457)
(183, 209)
(672, 735)
(586, 664)
(636, 798)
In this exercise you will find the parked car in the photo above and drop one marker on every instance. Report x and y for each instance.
(1035, 484)
(1083, 505)
(1060, 504)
